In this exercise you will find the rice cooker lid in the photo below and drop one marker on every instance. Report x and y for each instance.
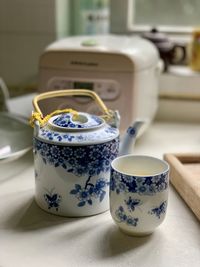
(142, 53)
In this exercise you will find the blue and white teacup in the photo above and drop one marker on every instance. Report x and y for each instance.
(138, 193)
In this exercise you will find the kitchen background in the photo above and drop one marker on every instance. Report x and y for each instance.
(27, 27)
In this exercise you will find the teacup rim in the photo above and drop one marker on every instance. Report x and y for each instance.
(141, 156)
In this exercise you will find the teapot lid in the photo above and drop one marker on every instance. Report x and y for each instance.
(155, 36)
(160, 40)
(74, 122)
(76, 129)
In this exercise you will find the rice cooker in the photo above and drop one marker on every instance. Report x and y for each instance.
(122, 70)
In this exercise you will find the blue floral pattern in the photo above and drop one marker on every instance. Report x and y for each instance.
(90, 191)
(160, 210)
(106, 133)
(137, 184)
(66, 120)
(90, 162)
(80, 160)
(122, 217)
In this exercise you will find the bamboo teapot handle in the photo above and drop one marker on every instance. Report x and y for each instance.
(69, 92)
(109, 115)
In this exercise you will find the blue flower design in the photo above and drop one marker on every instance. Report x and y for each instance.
(67, 152)
(122, 217)
(128, 179)
(86, 194)
(67, 137)
(160, 210)
(80, 160)
(132, 221)
(142, 189)
(106, 151)
(137, 184)
(120, 214)
(80, 152)
(78, 138)
(156, 179)
(88, 161)
(139, 180)
(65, 120)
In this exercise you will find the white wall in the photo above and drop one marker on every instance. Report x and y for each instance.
(26, 27)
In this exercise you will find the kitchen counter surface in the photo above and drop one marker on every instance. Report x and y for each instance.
(30, 237)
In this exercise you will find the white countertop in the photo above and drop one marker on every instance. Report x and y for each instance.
(30, 237)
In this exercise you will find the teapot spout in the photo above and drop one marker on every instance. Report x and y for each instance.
(128, 140)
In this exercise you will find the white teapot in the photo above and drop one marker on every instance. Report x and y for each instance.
(72, 156)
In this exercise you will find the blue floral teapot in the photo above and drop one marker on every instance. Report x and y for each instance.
(72, 155)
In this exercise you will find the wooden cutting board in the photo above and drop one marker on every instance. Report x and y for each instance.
(185, 177)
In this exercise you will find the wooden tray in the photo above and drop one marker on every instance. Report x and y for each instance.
(185, 177)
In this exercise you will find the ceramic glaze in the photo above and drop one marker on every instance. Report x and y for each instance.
(81, 121)
(72, 164)
(138, 202)
(73, 180)
(86, 129)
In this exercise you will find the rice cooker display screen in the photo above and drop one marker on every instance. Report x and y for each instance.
(83, 85)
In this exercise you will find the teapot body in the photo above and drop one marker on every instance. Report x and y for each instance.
(73, 180)
(172, 54)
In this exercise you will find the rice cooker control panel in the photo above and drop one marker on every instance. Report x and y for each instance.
(108, 90)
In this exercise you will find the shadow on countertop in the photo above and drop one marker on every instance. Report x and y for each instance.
(26, 216)
(116, 242)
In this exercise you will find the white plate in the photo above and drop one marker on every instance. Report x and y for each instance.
(15, 136)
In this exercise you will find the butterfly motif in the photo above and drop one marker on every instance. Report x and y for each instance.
(160, 210)
(132, 203)
(53, 200)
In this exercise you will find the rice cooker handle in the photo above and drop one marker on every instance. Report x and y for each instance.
(69, 92)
